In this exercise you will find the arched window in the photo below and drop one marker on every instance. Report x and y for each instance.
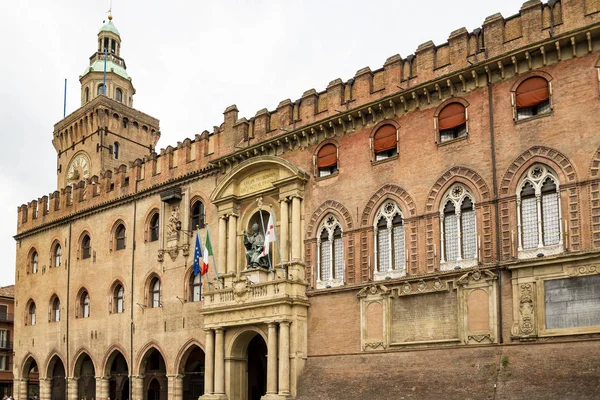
(119, 95)
(116, 148)
(458, 229)
(84, 305)
(452, 122)
(385, 142)
(195, 287)
(125, 122)
(331, 254)
(155, 294)
(532, 98)
(120, 237)
(101, 89)
(119, 299)
(86, 247)
(327, 160)
(390, 250)
(55, 315)
(57, 255)
(31, 314)
(154, 221)
(539, 216)
(197, 215)
(34, 262)
(87, 94)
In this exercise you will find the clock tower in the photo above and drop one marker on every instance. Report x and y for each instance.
(106, 131)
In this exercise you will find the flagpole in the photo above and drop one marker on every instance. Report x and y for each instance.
(262, 221)
(199, 272)
(278, 248)
(213, 257)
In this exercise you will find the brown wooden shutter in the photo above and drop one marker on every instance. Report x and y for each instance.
(452, 115)
(385, 138)
(532, 92)
(327, 156)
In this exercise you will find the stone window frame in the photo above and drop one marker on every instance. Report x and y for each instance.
(457, 193)
(537, 182)
(329, 224)
(436, 121)
(335, 170)
(513, 96)
(375, 129)
(384, 211)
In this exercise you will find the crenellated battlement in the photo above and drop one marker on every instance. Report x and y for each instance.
(541, 34)
(188, 160)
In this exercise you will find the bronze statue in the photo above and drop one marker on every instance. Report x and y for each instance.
(254, 249)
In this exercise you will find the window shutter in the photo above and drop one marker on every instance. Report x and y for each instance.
(327, 156)
(532, 92)
(385, 138)
(452, 115)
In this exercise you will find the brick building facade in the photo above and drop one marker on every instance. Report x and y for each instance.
(448, 202)
(7, 310)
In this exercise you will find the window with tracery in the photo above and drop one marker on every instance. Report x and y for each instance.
(458, 229)
(539, 216)
(331, 254)
(390, 249)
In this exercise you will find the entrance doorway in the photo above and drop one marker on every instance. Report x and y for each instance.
(257, 368)
(59, 384)
(119, 377)
(155, 372)
(87, 377)
(31, 374)
(193, 374)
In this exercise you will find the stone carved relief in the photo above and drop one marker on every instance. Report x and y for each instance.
(422, 286)
(526, 309)
(172, 232)
(583, 270)
(373, 290)
(476, 275)
(173, 252)
(373, 345)
(241, 288)
(485, 338)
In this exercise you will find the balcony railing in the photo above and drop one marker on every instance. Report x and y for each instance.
(6, 345)
(7, 317)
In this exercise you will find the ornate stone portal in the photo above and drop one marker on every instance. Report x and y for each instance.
(261, 295)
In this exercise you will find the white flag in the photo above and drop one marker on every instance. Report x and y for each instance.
(269, 234)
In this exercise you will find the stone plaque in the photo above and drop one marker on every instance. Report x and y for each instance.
(572, 302)
(424, 318)
(258, 181)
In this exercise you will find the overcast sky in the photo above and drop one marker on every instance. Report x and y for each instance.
(189, 60)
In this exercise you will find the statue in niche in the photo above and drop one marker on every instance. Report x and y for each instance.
(172, 224)
(254, 244)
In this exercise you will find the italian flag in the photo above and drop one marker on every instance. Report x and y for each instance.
(208, 251)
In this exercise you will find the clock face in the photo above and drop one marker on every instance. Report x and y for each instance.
(79, 169)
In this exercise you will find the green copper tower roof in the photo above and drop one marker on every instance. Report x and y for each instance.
(98, 66)
(110, 27)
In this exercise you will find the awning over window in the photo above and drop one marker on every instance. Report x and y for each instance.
(532, 92)
(385, 138)
(452, 115)
(327, 156)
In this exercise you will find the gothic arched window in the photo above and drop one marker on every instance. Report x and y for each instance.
(34, 262)
(390, 250)
(458, 229)
(85, 305)
(197, 215)
(55, 314)
(57, 255)
(195, 288)
(31, 314)
(119, 95)
(331, 253)
(539, 216)
(155, 293)
(119, 299)
(86, 247)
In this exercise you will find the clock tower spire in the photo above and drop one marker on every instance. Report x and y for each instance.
(106, 131)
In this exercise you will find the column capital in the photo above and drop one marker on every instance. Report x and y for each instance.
(283, 199)
(271, 323)
(177, 376)
(219, 329)
(208, 330)
(285, 322)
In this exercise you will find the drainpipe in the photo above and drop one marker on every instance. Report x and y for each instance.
(496, 205)
(131, 325)
(68, 301)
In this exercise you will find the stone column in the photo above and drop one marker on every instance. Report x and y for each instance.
(138, 387)
(219, 361)
(102, 387)
(209, 362)
(22, 389)
(45, 388)
(222, 249)
(272, 358)
(284, 230)
(284, 358)
(296, 229)
(232, 245)
(175, 387)
(72, 388)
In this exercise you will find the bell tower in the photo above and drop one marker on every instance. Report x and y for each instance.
(106, 131)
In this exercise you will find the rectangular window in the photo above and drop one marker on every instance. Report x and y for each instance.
(469, 236)
(338, 248)
(3, 363)
(451, 236)
(572, 302)
(196, 293)
(529, 222)
(399, 249)
(325, 260)
(120, 305)
(550, 221)
(383, 250)
(3, 339)
(3, 313)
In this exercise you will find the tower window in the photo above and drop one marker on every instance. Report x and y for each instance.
(101, 89)
(119, 95)
(113, 46)
(105, 44)
(116, 149)
(87, 94)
